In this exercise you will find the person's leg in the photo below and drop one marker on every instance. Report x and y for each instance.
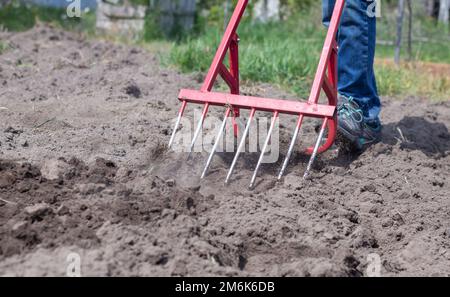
(356, 39)
(359, 104)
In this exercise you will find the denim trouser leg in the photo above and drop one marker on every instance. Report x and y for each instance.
(356, 39)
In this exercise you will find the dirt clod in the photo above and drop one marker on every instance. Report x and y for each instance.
(38, 210)
(133, 90)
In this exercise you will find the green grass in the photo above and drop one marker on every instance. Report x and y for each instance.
(3, 47)
(139, 2)
(18, 18)
(405, 81)
(427, 52)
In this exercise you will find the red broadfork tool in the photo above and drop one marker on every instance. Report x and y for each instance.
(326, 79)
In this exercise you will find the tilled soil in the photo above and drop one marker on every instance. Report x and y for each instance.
(84, 168)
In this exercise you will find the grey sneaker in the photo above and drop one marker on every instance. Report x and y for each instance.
(350, 119)
(353, 133)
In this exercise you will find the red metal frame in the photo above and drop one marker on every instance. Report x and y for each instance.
(325, 78)
(261, 104)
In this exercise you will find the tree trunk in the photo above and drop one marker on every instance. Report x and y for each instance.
(444, 11)
(430, 7)
(398, 43)
(410, 24)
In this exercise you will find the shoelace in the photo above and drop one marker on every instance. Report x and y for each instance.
(348, 109)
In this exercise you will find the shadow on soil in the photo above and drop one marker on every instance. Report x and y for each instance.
(413, 134)
(417, 133)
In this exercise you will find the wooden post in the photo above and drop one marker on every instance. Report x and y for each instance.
(410, 24)
(398, 43)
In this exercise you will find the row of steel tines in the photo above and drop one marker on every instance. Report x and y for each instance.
(242, 142)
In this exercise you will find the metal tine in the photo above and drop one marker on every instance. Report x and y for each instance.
(177, 124)
(199, 128)
(291, 146)
(266, 143)
(316, 148)
(216, 143)
(241, 144)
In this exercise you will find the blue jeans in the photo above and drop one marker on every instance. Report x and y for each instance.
(356, 40)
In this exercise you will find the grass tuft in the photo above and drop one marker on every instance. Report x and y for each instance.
(3, 47)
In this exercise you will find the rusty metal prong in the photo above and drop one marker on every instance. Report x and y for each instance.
(316, 149)
(199, 128)
(216, 142)
(263, 151)
(177, 124)
(241, 144)
(291, 147)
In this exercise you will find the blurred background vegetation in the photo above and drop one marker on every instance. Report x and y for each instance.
(283, 51)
